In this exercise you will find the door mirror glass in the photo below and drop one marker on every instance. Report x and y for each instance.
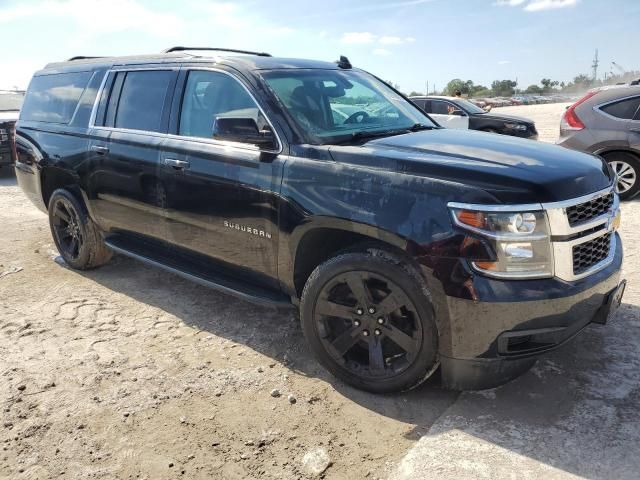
(243, 130)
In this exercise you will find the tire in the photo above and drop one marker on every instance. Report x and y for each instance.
(389, 349)
(77, 238)
(626, 166)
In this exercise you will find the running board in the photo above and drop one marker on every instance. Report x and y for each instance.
(222, 283)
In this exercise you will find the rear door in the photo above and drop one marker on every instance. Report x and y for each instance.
(634, 129)
(447, 114)
(221, 195)
(125, 190)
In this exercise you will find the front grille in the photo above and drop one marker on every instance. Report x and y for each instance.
(586, 211)
(586, 255)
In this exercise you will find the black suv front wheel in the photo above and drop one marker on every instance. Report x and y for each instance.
(367, 318)
(77, 238)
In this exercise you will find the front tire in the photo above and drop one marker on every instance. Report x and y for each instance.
(627, 170)
(367, 318)
(77, 238)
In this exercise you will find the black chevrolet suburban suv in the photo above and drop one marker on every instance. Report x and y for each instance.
(405, 246)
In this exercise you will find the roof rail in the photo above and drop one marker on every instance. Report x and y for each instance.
(182, 49)
(80, 57)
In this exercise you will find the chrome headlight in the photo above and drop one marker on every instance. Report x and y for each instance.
(520, 240)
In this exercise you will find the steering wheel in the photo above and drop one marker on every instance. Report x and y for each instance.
(357, 117)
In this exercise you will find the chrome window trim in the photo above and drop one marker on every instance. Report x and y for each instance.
(558, 222)
(215, 143)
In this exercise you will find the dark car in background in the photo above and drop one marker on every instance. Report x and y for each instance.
(606, 121)
(452, 112)
(10, 103)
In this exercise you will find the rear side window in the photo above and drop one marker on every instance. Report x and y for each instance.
(141, 100)
(624, 109)
(54, 98)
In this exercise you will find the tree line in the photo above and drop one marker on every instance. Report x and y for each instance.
(507, 88)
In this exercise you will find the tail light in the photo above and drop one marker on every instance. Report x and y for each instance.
(570, 120)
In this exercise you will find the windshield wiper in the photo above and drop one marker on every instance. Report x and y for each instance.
(417, 127)
(364, 134)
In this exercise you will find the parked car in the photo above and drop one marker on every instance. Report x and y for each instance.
(606, 121)
(10, 102)
(405, 246)
(452, 112)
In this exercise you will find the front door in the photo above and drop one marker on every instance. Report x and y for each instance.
(221, 196)
(447, 114)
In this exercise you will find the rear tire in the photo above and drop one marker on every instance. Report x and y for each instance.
(368, 319)
(626, 166)
(77, 238)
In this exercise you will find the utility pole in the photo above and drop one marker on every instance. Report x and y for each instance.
(595, 66)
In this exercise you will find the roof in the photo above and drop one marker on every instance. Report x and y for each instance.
(241, 61)
(443, 97)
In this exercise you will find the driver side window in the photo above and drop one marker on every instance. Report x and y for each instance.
(442, 108)
(210, 95)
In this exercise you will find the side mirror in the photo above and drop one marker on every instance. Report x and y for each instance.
(459, 113)
(242, 130)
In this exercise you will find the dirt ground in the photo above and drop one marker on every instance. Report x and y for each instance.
(130, 372)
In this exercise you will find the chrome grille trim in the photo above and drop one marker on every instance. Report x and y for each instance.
(561, 227)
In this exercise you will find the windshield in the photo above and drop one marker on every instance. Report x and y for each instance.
(10, 101)
(470, 107)
(332, 105)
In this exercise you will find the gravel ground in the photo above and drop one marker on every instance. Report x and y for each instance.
(129, 372)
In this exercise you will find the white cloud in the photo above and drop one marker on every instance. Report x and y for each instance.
(503, 62)
(92, 17)
(360, 38)
(381, 51)
(409, 39)
(539, 5)
(388, 40)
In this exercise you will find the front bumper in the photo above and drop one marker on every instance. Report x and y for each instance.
(494, 339)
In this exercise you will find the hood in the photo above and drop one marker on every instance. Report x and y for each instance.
(511, 169)
(505, 118)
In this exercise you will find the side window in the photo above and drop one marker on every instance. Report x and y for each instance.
(440, 108)
(624, 109)
(141, 100)
(210, 95)
(54, 98)
(420, 103)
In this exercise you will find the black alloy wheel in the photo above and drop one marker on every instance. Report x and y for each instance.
(369, 322)
(77, 238)
(67, 231)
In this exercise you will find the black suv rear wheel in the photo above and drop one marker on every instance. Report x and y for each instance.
(627, 169)
(368, 320)
(77, 238)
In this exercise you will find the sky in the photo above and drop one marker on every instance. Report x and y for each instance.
(408, 42)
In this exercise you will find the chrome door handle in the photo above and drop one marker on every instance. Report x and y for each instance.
(100, 149)
(175, 163)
